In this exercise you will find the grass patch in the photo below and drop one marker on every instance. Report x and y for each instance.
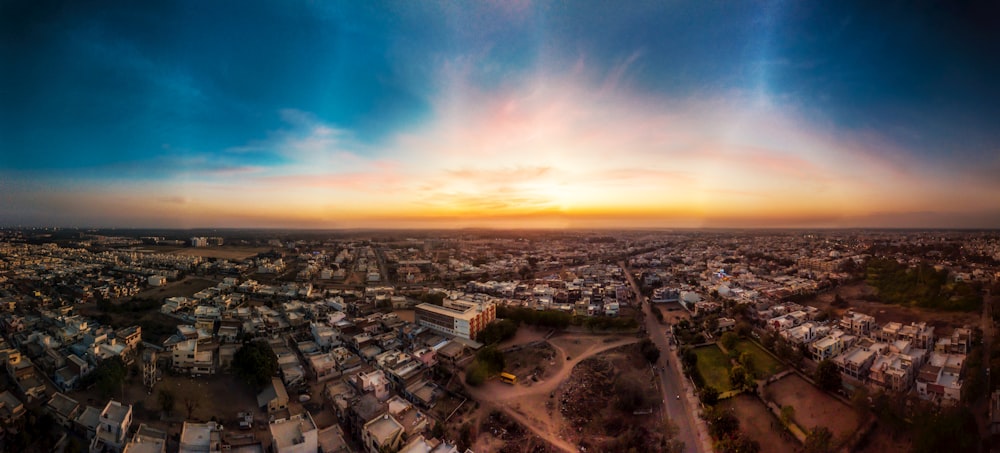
(714, 367)
(764, 365)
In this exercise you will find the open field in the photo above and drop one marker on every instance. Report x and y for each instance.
(813, 407)
(224, 252)
(765, 365)
(714, 367)
(185, 287)
(883, 313)
(759, 424)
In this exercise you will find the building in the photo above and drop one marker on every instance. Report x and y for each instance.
(859, 324)
(201, 438)
(297, 434)
(383, 433)
(113, 426)
(11, 408)
(274, 397)
(147, 440)
(460, 318)
(157, 280)
(186, 357)
(940, 379)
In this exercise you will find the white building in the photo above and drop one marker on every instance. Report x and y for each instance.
(297, 434)
(113, 425)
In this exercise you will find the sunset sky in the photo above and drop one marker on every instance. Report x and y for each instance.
(499, 114)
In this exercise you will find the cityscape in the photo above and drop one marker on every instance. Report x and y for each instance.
(476, 227)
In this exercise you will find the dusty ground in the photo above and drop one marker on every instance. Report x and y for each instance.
(672, 312)
(531, 405)
(185, 287)
(883, 313)
(531, 363)
(759, 424)
(499, 433)
(224, 252)
(813, 407)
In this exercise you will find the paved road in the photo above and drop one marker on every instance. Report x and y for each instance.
(676, 409)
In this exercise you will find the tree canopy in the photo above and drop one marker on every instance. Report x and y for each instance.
(828, 376)
(256, 363)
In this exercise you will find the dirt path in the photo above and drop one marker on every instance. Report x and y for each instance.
(526, 403)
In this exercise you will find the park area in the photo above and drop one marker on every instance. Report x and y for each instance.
(714, 367)
(813, 407)
(224, 252)
(765, 365)
(759, 424)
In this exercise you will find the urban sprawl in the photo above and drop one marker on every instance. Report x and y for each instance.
(479, 340)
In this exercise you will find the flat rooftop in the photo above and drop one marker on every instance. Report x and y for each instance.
(288, 432)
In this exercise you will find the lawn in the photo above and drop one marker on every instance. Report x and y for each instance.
(764, 364)
(714, 367)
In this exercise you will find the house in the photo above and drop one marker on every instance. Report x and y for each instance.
(297, 434)
(201, 438)
(112, 428)
(383, 433)
(940, 379)
(826, 347)
(63, 408)
(11, 408)
(87, 422)
(419, 444)
(857, 361)
(893, 371)
(69, 376)
(274, 397)
(331, 440)
(147, 440)
(188, 356)
(859, 324)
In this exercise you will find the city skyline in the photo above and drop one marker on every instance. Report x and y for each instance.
(506, 114)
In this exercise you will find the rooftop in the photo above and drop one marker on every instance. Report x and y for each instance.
(292, 431)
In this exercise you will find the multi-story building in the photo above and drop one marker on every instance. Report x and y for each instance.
(859, 324)
(455, 317)
(940, 379)
(201, 438)
(112, 428)
(297, 434)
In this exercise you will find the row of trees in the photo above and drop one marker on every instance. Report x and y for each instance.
(489, 362)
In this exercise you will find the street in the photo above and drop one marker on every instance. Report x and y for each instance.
(671, 376)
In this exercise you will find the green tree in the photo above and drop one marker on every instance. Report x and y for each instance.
(721, 423)
(109, 376)
(740, 378)
(828, 376)
(729, 340)
(166, 399)
(256, 363)
(819, 440)
(746, 359)
(739, 443)
(787, 415)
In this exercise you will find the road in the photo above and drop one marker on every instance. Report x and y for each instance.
(676, 409)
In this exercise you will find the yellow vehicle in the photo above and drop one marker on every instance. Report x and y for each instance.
(508, 378)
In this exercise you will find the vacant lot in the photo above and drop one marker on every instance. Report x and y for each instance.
(813, 407)
(714, 367)
(226, 253)
(855, 295)
(181, 288)
(759, 424)
(531, 360)
(765, 366)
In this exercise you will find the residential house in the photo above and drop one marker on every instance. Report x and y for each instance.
(201, 438)
(112, 429)
(940, 379)
(63, 408)
(297, 434)
(11, 408)
(383, 433)
(147, 440)
(274, 397)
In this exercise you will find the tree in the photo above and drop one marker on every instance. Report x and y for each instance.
(256, 363)
(649, 350)
(190, 404)
(740, 379)
(787, 415)
(109, 376)
(859, 400)
(739, 443)
(721, 423)
(709, 395)
(746, 359)
(166, 399)
(819, 440)
(728, 340)
(828, 376)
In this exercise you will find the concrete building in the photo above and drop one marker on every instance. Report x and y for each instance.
(147, 440)
(112, 428)
(297, 434)
(201, 438)
(383, 432)
(460, 318)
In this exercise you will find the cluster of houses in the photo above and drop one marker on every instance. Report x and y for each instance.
(895, 357)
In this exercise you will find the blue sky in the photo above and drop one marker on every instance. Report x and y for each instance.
(191, 103)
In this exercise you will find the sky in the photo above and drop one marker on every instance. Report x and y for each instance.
(499, 114)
